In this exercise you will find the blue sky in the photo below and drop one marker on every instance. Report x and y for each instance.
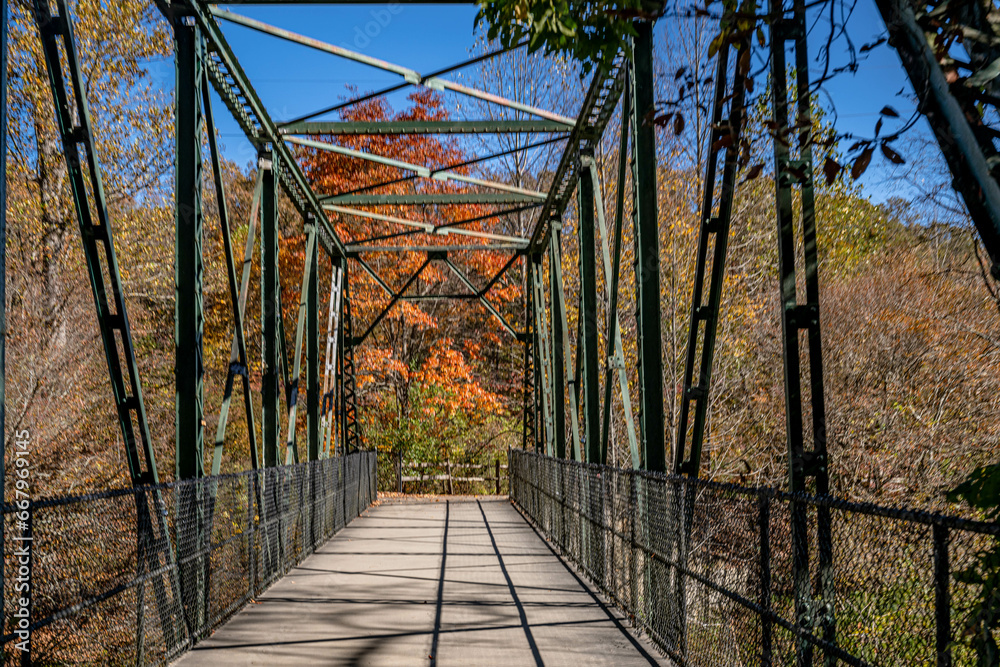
(293, 80)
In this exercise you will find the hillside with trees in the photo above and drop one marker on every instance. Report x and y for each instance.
(911, 319)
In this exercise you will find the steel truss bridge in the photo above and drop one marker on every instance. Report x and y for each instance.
(713, 574)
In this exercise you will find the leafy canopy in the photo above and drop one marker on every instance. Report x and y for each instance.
(590, 32)
(593, 33)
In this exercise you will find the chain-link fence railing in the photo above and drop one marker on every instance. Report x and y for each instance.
(137, 576)
(707, 569)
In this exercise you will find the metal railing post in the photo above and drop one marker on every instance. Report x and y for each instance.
(942, 596)
(766, 625)
(399, 472)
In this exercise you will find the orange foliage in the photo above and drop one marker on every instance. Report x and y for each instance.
(414, 344)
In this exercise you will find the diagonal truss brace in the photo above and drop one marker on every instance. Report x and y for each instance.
(615, 359)
(426, 227)
(409, 75)
(387, 127)
(239, 96)
(974, 162)
(396, 296)
(443, 175)
(238, 359)
(482, 298)
(74, 123)
(291, 454)
(560, 335)
(500, 274)
(713, 233)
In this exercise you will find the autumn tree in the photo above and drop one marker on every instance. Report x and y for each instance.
(437, 378)
(57, 385)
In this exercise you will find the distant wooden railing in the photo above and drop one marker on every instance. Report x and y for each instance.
(447, 477)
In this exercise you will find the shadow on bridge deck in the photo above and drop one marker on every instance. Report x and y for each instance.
(461, 581)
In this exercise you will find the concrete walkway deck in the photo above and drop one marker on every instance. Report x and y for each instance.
(459, 581)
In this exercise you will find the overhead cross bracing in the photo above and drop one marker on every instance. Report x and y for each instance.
(407, 209)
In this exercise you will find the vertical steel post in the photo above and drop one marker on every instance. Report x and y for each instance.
(188, 260)
(558, 351)
(714, 234)
(546, 370)
(764, 594)
(539, 416)
(942, 596)
(293, 371)
(340, 377)
(802, 464)
(352, 427)
(312, 353)
(3, 276)
(72, 112)
(528, 381)
(189, 317)
(330, 398)
(647, 255)
(587, 351)
(270, 309)
(566, 375)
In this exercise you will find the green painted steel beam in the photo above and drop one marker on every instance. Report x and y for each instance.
(426, 227)
(83, 175)
(716, 214)
(559, 350)
(353, 249)
(500, 274)
(328, 427)
(546, 371)
(439, 297)
(270, 310)
(370, 271)
(615, 354)
(560, 341)
(312, 353)
(814, 605)
(478, 294)
(234, 88)
(598, 106)
(295, 368)
(235, 364)
(420, 170)
(964, 139)
(336, 2)
(433, 199)
(285, 382)
(588, 341)
(238, 360)
(399, 86)
(189, 316)
(647, 251)
(425, 127)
